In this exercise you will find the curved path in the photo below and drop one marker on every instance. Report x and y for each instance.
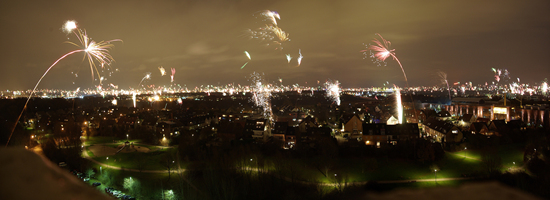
(180, 170)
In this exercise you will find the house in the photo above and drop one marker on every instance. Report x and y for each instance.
(280, 130)
(403, 132)
(426, 114)
(286, 134)
(167, 129)
(380, 135)
(392, 121)
(479, 128)
(441, 131)
(375, 134)
(259, 128)
(498, 128)
(351, 125)
(467, 119)
(229, 131)
(444, 115)
(307, 123)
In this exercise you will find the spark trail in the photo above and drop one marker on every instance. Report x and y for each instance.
(380, 51)
(443, 79)
(93, 51)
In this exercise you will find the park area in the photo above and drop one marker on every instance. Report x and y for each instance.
(119, 160)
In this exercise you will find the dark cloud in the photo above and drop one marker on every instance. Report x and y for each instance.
(205, 41)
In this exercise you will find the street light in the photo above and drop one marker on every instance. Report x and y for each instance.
(435, 172)
(126, 136)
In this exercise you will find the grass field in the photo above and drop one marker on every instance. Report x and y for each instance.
(152, 160)
(454, 165)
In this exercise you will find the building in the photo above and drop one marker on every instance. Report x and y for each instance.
(441, 131)
(380, 135)
(467, 119)
(479, 128)
(259, 128)
(351, 126)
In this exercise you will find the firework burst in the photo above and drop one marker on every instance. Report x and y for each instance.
(172, 76)
(288, 58)
(162, 71)
(270, 33)
(270, 16)
(146, 77)
(443, 80)
(261, 95)
(69, 26)
(333, 91)
(300, 57)
(380, 51)
(93, 51)
(501, 74)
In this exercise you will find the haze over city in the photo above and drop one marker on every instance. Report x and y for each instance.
(204, 41)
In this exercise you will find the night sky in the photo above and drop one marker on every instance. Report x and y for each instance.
(205, 40)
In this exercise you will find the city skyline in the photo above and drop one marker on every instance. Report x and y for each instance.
(204, 42)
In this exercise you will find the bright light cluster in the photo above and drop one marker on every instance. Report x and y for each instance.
(333, 91)
(261, 95)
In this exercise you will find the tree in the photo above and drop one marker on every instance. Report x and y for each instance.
(106, 178)
(491, 163)
(132, 185)
(168, 162)
(90, 172)
(327, 155)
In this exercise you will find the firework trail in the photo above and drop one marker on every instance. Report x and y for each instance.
(172, 76)
(244, 65)
(162, 71)
(443, 79)
(544, 88)
(146, 77)
(399, 105)
(93, 50)
(249, 58)
(300, 57)
(380, 51)
(333, 91)
(247, 55)
(261, 95)
(288, 58)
